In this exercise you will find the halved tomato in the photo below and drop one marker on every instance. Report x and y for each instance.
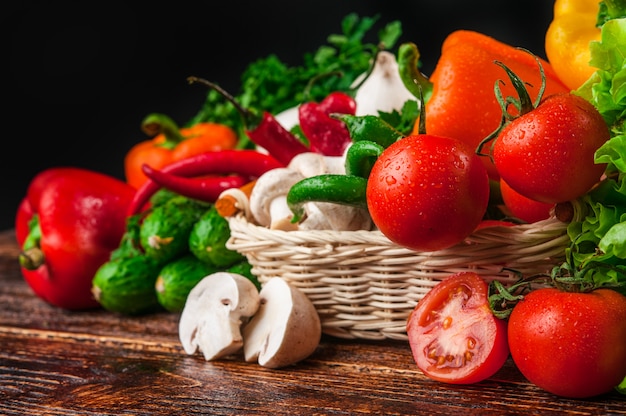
(453, 334)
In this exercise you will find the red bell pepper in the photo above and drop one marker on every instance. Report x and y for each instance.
(67, 225)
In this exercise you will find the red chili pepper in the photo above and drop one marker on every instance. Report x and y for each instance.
(205, 189)
(67, 225)
(264, 130)
(278, 141)
(327, 135)
(244, 162)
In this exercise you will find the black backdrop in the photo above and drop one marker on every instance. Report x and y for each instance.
(80, 76)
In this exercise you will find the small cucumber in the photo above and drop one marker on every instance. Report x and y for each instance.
(126, 285)
(161, 197)
(129, 245)
(177, 278)
(164, 233)
(207, 240)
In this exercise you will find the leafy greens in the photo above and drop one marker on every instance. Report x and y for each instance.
(598, 250)
(270, 85)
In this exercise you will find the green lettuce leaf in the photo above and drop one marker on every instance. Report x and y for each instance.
(598, 249)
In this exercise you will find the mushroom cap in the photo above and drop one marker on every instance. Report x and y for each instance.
(272, 184)
(312, 164)
(214, 312)
(286, 328)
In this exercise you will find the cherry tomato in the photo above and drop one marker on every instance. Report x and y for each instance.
(427, 192)
(570, 344)
(519, 206)
(454, 336)
(547, 154)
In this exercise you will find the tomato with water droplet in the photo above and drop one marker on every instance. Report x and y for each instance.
(427, 192)
(572, 344)
(547, 153)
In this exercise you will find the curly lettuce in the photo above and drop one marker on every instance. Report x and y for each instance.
(598, 249)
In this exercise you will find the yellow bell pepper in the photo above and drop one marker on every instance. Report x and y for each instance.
(567, 40)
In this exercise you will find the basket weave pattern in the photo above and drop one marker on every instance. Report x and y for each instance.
(364, 286)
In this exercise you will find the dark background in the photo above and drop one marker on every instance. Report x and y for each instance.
(80, 76)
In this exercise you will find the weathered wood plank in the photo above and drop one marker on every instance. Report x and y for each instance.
(58, 362)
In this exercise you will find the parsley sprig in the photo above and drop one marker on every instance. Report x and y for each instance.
(269, 84)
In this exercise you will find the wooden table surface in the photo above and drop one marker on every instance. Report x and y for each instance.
(57, 362)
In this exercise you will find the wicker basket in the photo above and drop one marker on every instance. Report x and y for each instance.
(364, 286)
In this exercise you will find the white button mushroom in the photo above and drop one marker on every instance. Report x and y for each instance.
(214, 312)
(268, 199)
(286, 328)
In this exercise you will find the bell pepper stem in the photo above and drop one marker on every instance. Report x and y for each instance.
(414, 81)
(32, 258)
(157, 123)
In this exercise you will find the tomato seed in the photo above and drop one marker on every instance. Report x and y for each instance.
(471, 343)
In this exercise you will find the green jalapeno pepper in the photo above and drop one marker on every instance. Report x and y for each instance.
(361, 156)
(340, 189)
(371, 128)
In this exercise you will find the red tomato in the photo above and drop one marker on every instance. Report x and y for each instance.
(526, 209)
(427, 192)
(454, 336)
(570, 344)
(494, 223)
(547, 154)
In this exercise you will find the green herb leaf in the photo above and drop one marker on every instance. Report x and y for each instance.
(270, 85)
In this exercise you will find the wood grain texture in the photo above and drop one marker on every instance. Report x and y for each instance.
(57, 362)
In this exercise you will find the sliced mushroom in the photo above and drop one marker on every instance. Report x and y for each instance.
(286, 328)
(214, 312)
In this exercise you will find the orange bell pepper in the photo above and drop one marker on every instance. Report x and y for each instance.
(459, 94)
(171, 143)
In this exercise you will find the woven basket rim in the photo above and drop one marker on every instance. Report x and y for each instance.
(364, 286)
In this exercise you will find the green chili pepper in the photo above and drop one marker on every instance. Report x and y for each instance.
(340, 189)
(361, 156)
(371, 128)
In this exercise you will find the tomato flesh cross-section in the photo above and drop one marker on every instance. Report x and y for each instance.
(454, 336)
